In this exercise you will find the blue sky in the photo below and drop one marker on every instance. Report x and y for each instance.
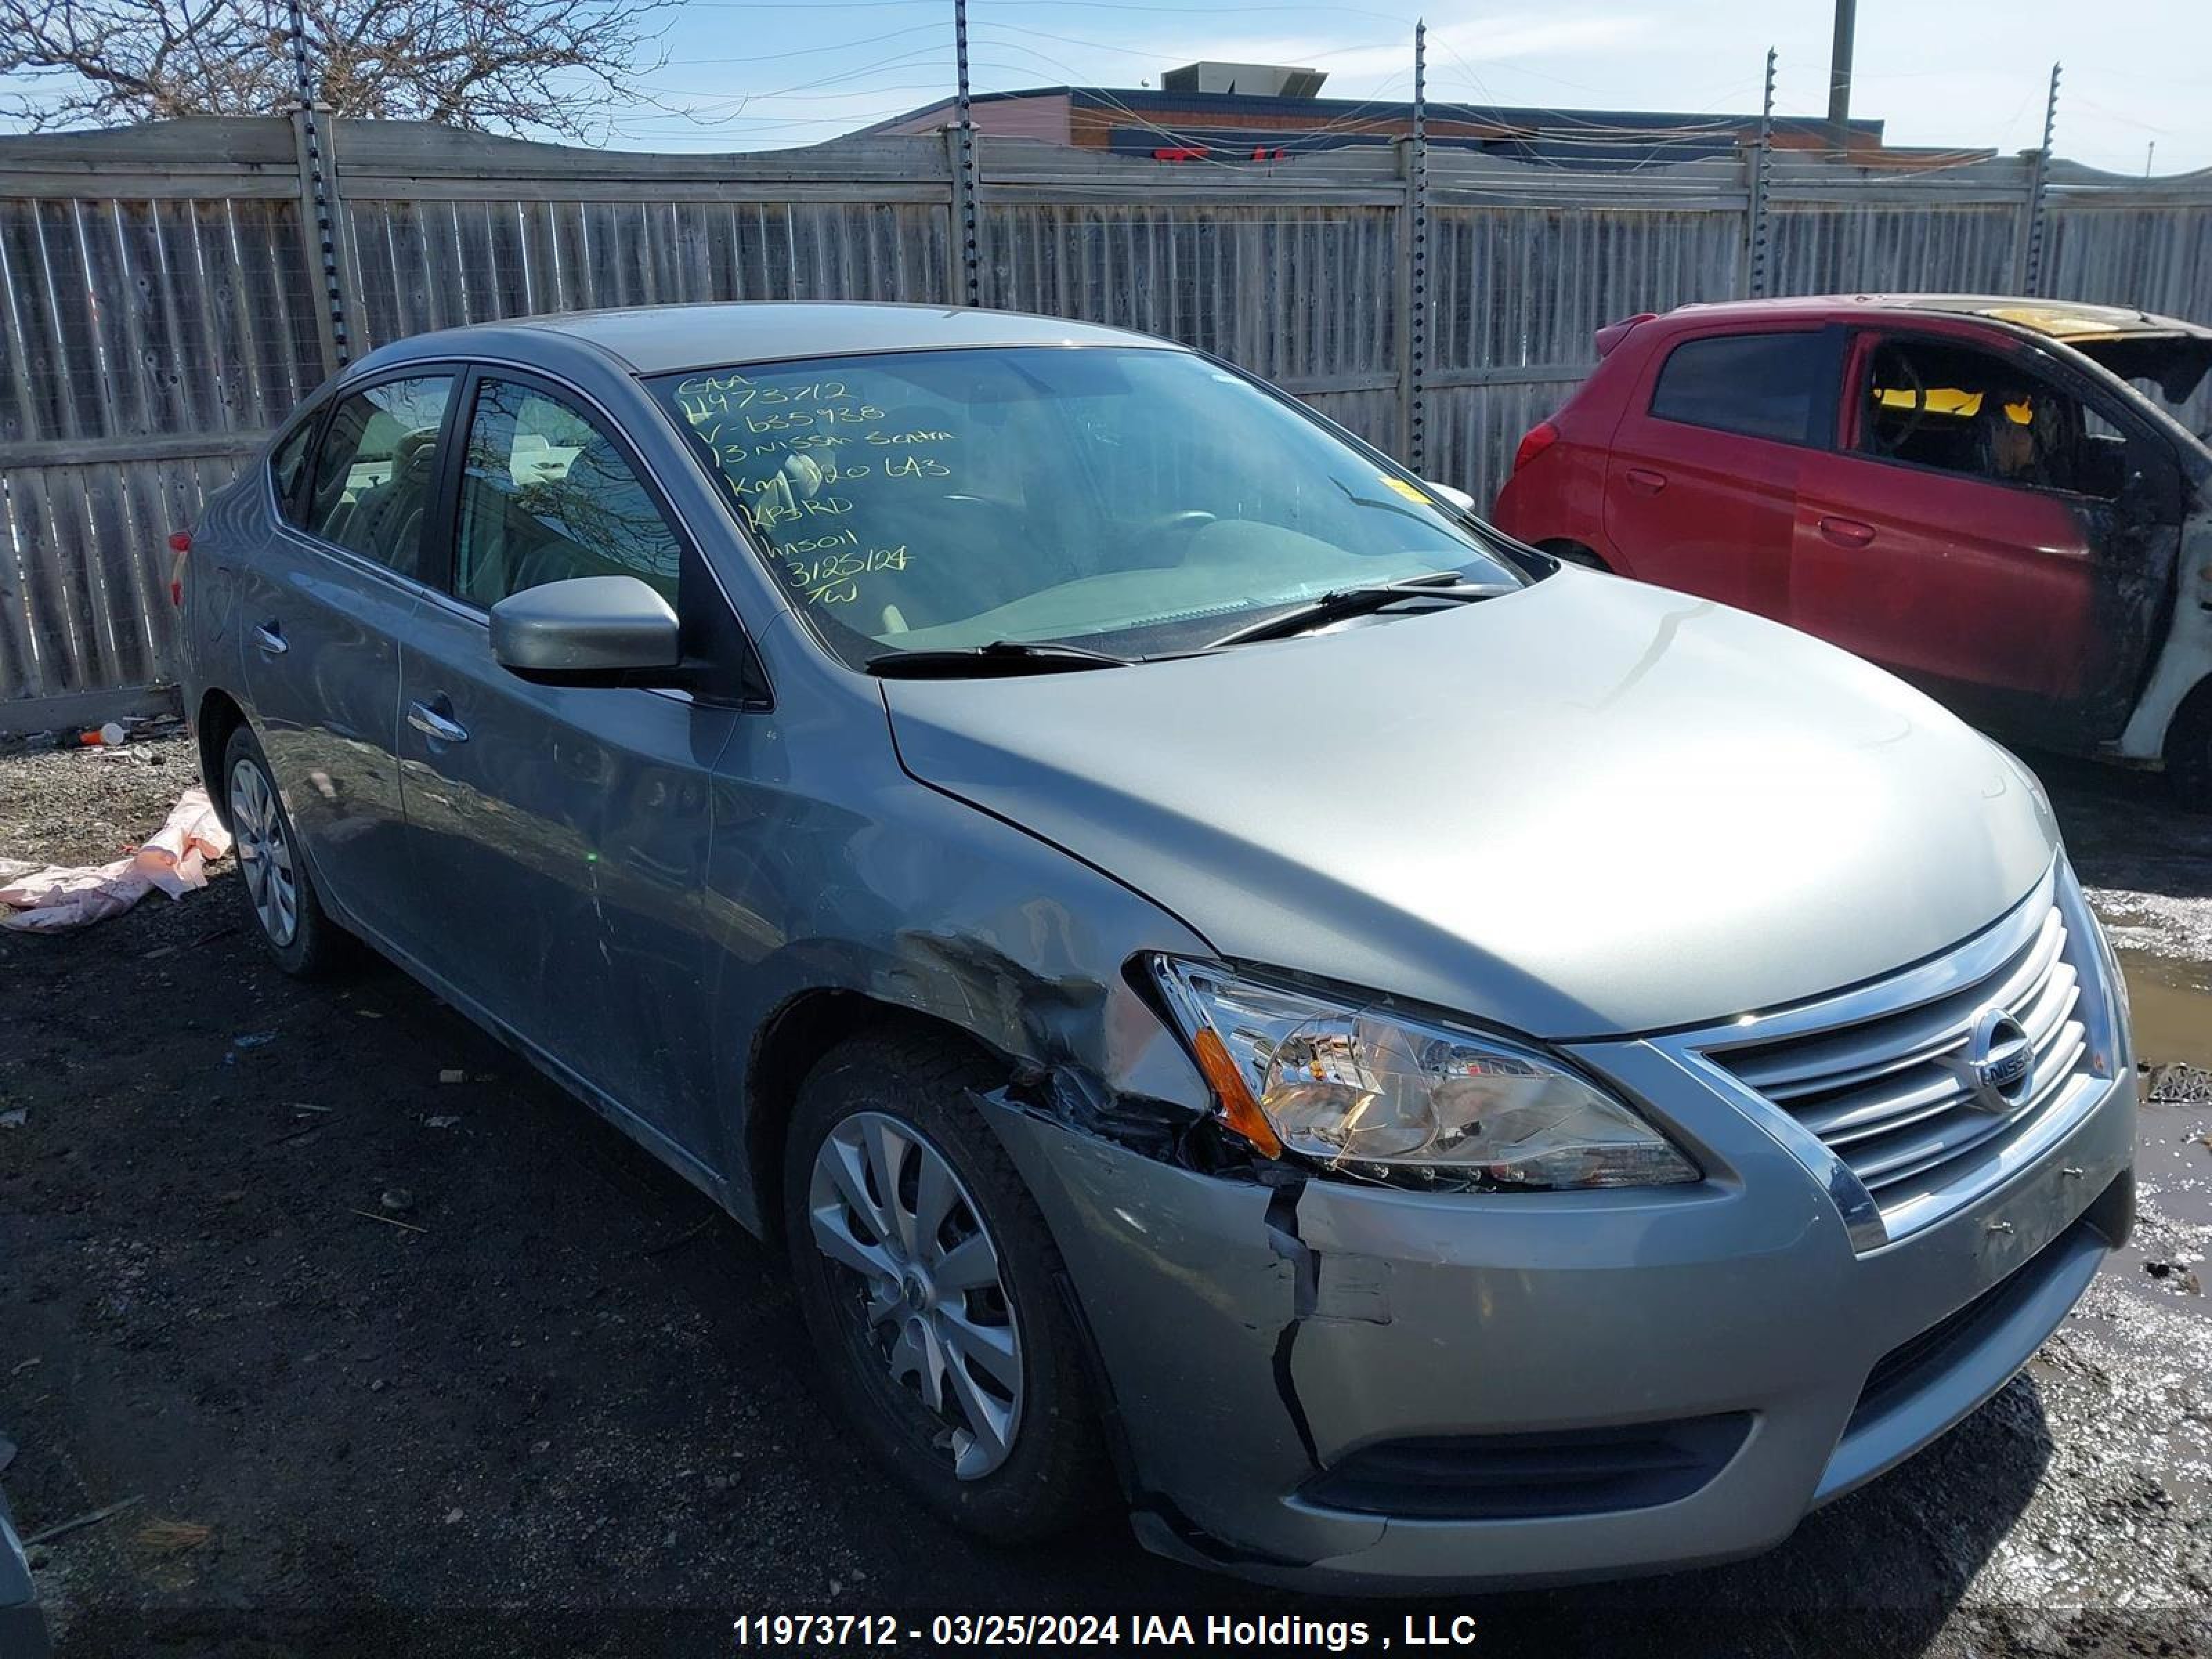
(767, 73)
(753, 74)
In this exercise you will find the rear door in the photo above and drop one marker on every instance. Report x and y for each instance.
(322, 609)
(1990, 525)
(559, 833)
(1701, 482)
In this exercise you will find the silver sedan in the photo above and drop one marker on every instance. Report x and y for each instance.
(1244, 992)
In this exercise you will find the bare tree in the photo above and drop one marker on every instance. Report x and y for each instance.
(493, 65)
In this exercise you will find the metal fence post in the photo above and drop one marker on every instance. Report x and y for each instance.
(1762, 169)
(2032, 281)
(317, 204)
(1413, 377)
(967, 246)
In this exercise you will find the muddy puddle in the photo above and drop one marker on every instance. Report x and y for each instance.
(2173, 1003)
(2173, 1018)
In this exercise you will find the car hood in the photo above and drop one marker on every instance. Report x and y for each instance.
(1590, 808)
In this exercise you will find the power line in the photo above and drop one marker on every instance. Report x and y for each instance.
(1086, 5)
(815, 51)
(1127, 51)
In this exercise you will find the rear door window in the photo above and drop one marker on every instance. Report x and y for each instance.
(1762, 385)
(375, 471)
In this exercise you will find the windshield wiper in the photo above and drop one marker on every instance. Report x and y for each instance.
(1359, 601)
(999, 657)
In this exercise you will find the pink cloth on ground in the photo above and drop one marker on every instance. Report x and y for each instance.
(174, 859)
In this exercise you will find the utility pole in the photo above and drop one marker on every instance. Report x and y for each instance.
(2035, 200)
(1839, 77)
(963, 167)
(1761, 167)
(2150, 149)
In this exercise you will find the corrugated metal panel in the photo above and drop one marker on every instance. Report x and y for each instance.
(1523, 286)
(443, 263)
(1294, 293)
(128, 324)
(84, 603)
(1898, 248)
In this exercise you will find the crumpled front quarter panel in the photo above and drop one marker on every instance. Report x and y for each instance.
(833, 870)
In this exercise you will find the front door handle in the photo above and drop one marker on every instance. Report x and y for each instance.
(1847, 533)
(431, 724)
(1644, 481)
(271, 639)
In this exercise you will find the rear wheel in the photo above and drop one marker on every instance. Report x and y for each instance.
(279, 891)
(2189, 750)
(930, 1288)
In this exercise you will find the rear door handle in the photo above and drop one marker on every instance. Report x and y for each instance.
(1847, 533)
(1645, 480)
(431, 724)
(270, 639)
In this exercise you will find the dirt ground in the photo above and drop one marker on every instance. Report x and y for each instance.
(431, 1367)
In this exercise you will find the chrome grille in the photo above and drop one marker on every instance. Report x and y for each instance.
(1880, 1076)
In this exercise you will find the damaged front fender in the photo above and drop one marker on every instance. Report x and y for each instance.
(859, 892)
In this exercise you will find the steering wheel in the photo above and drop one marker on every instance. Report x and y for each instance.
(1890, 358)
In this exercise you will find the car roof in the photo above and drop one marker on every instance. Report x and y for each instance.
(664, 339)
(2058, 319)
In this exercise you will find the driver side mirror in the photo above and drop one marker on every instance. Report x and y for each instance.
(1449, 494)
(587, 628)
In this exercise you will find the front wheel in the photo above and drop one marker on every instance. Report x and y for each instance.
(929, 1285)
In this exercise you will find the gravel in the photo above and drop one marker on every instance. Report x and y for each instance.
(549, 1400)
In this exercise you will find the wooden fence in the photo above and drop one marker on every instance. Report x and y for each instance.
(165, 301)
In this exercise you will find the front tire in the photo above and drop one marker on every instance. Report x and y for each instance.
(280, 894)
(930, 1289)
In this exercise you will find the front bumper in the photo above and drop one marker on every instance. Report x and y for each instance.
(22, 1627)
(1255, 1339)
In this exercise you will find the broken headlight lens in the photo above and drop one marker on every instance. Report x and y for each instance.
(1370, 1092)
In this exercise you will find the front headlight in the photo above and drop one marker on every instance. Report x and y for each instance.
(1374, 1093)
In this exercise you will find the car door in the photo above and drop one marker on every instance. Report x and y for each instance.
(323, 608)
(1701, 479)
(1984, 526)
(559, 833)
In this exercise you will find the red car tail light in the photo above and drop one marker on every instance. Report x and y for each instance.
(1540, 437)
(180, 544)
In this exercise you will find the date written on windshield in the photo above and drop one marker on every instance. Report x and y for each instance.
(835, 578)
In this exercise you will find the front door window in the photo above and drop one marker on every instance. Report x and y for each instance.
(1961, 409)
(547, 495)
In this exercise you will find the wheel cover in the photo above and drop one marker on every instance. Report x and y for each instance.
(930, 1305)
(264, 852)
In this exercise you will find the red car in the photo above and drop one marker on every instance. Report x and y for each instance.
(1992, 498)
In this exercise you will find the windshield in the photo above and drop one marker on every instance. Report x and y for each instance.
(2169, 369)
(1130, 499)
